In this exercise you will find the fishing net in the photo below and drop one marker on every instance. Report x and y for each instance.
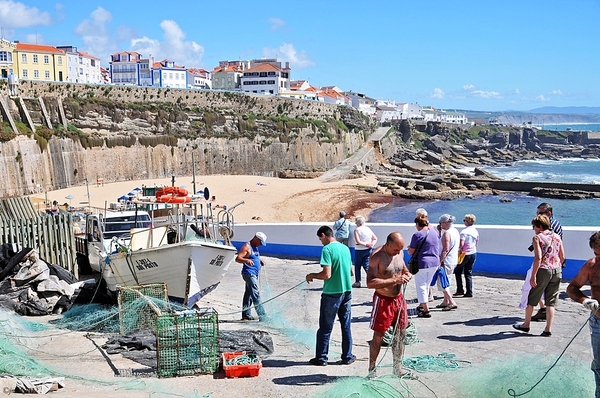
(569, 378)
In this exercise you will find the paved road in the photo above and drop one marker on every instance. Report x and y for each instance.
(344, 169)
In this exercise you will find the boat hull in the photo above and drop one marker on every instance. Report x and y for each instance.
(190, 269)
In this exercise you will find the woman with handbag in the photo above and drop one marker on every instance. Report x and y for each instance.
(424, 245)
(549, 255)
(467, 249)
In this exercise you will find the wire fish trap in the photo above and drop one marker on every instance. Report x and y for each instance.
(139, 306)
(187, 342)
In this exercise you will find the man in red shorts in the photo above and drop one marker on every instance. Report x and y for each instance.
(387, 273)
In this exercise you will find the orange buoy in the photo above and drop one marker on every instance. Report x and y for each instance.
(174, 199)
(177, 191)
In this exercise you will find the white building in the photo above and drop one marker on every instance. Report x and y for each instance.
(266, 76)
(124, 68)
(199, 79)
(166, 74)
(81, 66)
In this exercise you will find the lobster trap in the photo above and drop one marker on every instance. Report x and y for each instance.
(139, 306)
(187, 342)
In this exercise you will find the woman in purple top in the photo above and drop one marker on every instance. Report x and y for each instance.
(426, 243)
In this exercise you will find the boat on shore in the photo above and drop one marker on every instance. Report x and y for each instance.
(163, 241)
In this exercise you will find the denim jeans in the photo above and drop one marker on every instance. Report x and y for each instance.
(361, 260)
(252, 295)
(595, 337)
(332, 305)
(467, 266)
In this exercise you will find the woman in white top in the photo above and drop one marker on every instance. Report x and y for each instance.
(469, 238)
(449, 242)
(365, 242)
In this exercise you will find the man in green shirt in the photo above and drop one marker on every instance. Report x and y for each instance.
(336, 299)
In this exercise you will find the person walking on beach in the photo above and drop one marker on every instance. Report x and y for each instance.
(365, 242)
(342, 229)
(387, 274)
(250, 257)
(542, 209)
(469, 238)
(449, 241)
(425, 244)
(336, 298)
(547, 272)
(590, 273)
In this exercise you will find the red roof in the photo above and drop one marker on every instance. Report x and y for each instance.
(263, 68)
(87, 55)
(38, 48)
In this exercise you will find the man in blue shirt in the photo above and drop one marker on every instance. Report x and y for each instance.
(250, 257)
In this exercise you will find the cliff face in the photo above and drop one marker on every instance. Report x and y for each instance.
(116, 140)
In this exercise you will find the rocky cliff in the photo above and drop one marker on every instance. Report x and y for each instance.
(126, 133)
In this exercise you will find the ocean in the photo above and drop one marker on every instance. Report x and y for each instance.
(489, 210)
(570, 126)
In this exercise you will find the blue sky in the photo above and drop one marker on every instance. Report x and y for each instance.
(478, 55)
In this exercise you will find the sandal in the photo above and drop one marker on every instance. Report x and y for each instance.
(424, 314)
(441, 305)
(450, 307)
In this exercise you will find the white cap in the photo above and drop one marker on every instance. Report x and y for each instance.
(262, 237)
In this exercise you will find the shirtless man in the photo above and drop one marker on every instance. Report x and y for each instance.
(387, 273)
(590, 273)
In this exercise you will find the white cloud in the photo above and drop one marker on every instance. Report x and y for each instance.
(555, 92)
(516, 91)
(14, 15)
(94, 34)
(438, 93)
(34, 38)
(276, 23)
(468, 87)
(486, 94)
(174, 46)
(542, 98)
(287, 52)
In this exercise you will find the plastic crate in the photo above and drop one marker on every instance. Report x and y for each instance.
(187, 343)
(249, 370)
(136, 305)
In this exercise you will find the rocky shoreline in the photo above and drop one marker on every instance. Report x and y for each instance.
(437, 170)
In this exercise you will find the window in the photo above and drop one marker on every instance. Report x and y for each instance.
(24, 58)
(24, 72)
(263, 74)
(46, 59)
(35, 58)
(47, 74)
(5, 56)
(59, 60)
(36, 74)
(93, 63)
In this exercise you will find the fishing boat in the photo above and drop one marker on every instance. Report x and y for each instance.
(165, 240)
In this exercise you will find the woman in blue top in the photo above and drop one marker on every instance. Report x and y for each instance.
(426, 243)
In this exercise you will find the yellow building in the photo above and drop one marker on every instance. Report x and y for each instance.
(7, 55)
(40, 62)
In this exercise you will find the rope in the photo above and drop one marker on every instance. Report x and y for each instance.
(269, 300)
(512, 392)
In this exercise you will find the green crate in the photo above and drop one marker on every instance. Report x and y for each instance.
(187, 342)
(137, 309)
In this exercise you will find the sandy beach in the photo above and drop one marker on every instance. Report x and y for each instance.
(266, 199)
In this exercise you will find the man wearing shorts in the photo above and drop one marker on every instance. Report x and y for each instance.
(387, 273)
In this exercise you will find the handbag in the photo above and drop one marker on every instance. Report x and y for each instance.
(413, 262)
(461, 257)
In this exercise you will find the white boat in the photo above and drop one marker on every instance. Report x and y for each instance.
(183, 253)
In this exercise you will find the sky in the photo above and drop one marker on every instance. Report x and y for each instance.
(461, 54)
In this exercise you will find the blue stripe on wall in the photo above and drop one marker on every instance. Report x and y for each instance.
(486, 262)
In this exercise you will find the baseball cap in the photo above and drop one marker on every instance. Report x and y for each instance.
(262, 237)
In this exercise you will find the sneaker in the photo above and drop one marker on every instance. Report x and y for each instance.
(348, 361)
(317, 362)
(356, 284)
(468, 295)
(458, 294)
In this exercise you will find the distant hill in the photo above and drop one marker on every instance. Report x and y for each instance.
(568, 110)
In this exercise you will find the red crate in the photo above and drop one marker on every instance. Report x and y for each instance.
(250, 370)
